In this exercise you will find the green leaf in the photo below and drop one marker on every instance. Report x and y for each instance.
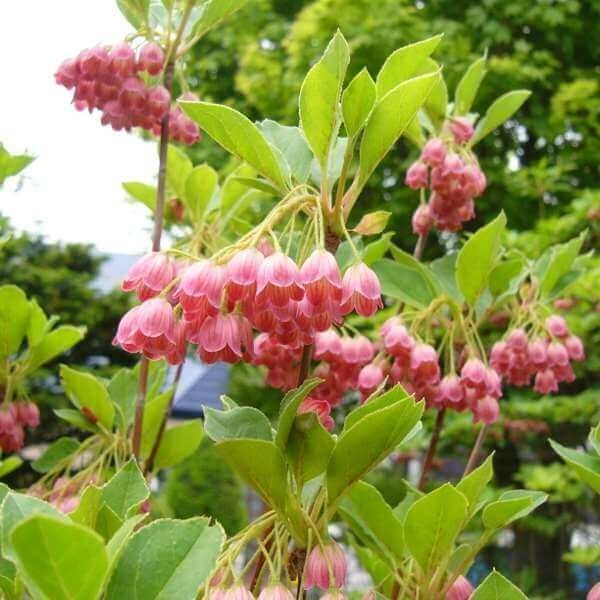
(476, 481)
(119, 539)
(89, 505)
(53, 344)
(289, 409)
(154, 412)
(126, 490)
(56, 452)
(373, 223)
(199, 188)
(10, 464)
(14, 318)
(87, 392)
(385, 400)
(144, 193)
(594, 438)
(261, 185)
(358, 100)
(511, 506)
(586, 466)
(76, 418)
(496, 587)
(432, 524)
(135, 11)
(242, 422)
(373, 521)
(107, 522)
(178, 443)
(261, 464)
(436, 105)
(403, 64)
(405, 282)
(14, 509)
(122, 389)
(363, 446)
(391, 115)
(477, 258)
(166, 559)
(444, 270)
(60, 560)
(320, 97)
(467, 87)
(506, 277)
(12, 164)
(179, 167)
(376, 250)
(213, 12)
(561, 259)
(500, 110)
(293, 147)
(38, 324)
(239, 136)
(309, 446)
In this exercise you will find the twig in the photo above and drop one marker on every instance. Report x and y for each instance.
(472, 462)
(429, 457)
(420, 246)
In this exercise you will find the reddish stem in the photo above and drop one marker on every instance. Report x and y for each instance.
(430, 456)
(474, 456)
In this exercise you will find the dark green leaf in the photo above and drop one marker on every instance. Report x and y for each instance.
(56, 452)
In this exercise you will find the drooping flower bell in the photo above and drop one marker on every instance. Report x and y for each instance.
(318, 564)
(371, 376)
(321, 408)
(278, 281)
(462, 129)
(149, 275)
(461, 589)
(225, 338)
(151, 58)
(417, 176)
(242, 273)
(276, 592)
(327, 345)
(237, 592)
(361, 291)
(320, 276)
(201, 288)
(424, 367)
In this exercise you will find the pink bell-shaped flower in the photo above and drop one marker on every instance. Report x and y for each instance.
(321, 408)
(371, 376)
(318, 564)
(276, 592)
(149, 275)
(422, 220)
(201, 283)
(545, 382)
(433, 152)
(462, 129)
(424, 367)
(361, 291)
(557, 326)
(450, 393)
(461, 589)
(575, 348)
(417, 176)
(242, 272)
(238, 592)
(358, 350)
(151, 58)
(320, 276)
(278, 281)
(328, 346)
(473, 374)
(486, 410)
(224, 337)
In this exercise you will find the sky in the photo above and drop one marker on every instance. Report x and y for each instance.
(72, 191)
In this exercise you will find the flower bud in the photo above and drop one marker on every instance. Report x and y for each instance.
(417, 176)
(151, 58)
(462, 129)
(433, 152)
(422, 220)
(461, 589)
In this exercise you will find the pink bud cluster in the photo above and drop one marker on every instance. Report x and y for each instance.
(416, 367)
(453, 178)
(217, 307)
(545, 358)
(13, 421)
(110, 80)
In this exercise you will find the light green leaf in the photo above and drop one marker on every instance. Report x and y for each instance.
(239, 136)
(107, 522)
(292, 146)
(87, 392)
(511, 506)
(320, 97)
(586, 466)
(405, 281)
(363, 446)
(391, 115)
(213, 12)
(496, 587)
(60, 560)
(376, 250)
(289, 409)
(179, 167)
(200, 186)
(12, 164)
(500, 110)
(358, 100)
(475, 482)
(385, 400)
(135, 11)
(76, 418)
(14, 509)
(144, 193)
(242, 422)
(14, 318)
(178, 443)
(38, 324)
(55, 453)
(154, 412)
(52, 345)
(261, 464)
(432, 524)
(467, 87)
(506, 277)
(166, 559)
(126, 490)
(403, 64)
(477, 258)
(90, 502)
(373, 521)
(444, 270)
(561, 259)
(373, 223)
(122, 389)
(119, 539)
(10, 464)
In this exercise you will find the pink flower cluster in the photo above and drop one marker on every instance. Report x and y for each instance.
(546, 358)
(217, 307)
(109, 80)
(416, 367)
(454, 179)
(13, 421)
